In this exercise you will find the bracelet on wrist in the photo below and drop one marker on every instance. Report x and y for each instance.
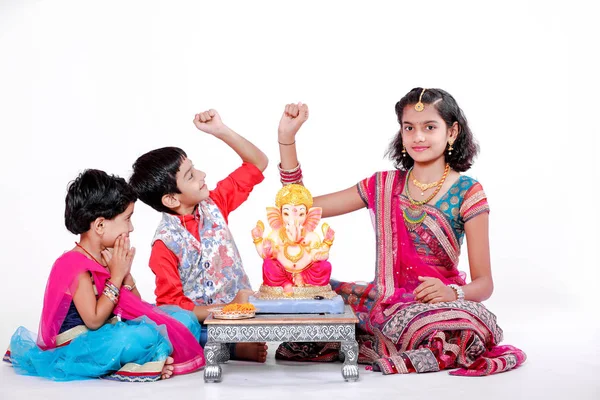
(289, 176)
(458, 290)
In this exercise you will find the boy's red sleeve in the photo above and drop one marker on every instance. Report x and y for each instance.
(169, 289)
(232, 191)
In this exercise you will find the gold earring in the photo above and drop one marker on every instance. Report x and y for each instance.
(450, 148)
(403, 151)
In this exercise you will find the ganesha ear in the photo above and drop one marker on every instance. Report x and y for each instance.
(274, 218)
(312, 218)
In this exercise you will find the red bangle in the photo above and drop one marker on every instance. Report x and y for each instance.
(290, 176)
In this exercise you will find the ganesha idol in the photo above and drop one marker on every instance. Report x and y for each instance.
(295, 258)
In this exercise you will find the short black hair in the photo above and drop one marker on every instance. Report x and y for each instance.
(94, 194)
(465, 147)
(155, 174)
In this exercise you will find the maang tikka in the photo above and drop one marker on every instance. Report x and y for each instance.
(420, 106)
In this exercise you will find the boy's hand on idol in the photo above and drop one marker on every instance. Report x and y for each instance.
(433, 290)
(120, 259)
(242, 296)
(210, 122)
(292, 119)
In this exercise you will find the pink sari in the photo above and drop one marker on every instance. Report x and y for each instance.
(398, 334)
(62, 283)
(416, 336)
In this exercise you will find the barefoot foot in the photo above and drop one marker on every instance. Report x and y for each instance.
(167, 370)
(251, 352)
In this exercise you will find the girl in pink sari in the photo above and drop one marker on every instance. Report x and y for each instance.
(93, 322)
(419, 314)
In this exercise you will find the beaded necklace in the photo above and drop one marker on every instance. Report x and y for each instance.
(88, 253)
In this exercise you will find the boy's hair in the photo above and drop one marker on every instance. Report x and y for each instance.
(94, 194)
(465, 146)
(155, 175)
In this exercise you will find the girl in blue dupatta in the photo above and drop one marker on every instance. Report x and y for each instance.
(79, 336)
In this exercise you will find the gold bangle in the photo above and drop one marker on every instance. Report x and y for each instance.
(287, 144)
(257, 240)
(130, 287)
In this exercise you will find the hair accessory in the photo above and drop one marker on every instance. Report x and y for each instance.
(419, 106)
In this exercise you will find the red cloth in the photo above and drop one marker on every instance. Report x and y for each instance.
(274, 274)
(229, 194)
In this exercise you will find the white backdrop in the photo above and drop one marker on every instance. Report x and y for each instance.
(96, 84)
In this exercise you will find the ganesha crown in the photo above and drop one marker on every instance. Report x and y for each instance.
(294, 194)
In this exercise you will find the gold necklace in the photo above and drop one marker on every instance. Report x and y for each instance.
(440, 183)
(424, 186)
(414, 214)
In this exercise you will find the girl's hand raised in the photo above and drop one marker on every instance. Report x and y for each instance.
(292, 119)
(433, 290)
(120, 259)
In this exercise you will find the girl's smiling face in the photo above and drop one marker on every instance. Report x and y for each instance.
(425, 135)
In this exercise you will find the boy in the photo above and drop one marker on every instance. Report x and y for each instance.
(194, 257)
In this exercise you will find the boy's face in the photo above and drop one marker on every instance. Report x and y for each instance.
(190, 183)
(121, 224)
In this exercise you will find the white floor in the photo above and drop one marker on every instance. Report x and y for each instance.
(552, 371)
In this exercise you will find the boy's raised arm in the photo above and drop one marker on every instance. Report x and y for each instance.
(210, 122)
